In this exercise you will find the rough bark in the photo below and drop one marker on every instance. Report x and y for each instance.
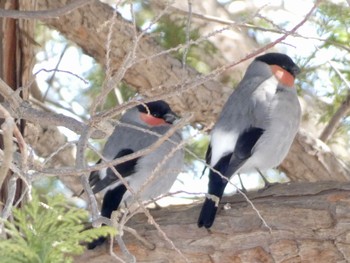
(309, 222)
(311, 160)
(17, 59)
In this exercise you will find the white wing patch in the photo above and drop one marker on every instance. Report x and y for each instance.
(222, 142)
(103, 173)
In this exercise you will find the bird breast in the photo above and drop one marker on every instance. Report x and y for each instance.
(281, 128)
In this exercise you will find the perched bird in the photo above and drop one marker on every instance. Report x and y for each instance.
(256, 127)
(139, 128)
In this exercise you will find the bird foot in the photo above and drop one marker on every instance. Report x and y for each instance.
(267, 186)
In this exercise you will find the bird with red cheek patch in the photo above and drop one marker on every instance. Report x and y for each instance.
(156, 113)
(256, 127)
(139, 128)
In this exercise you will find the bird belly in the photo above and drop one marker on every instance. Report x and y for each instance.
(153, 177)
(274, 144)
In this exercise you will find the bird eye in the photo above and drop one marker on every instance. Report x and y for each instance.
(156, 114)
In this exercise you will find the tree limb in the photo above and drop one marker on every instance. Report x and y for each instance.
(44, 14)
(309, 223)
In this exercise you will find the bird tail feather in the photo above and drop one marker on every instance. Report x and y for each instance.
(208, 213)
(216, 190)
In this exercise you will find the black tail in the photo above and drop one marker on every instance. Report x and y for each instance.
(110, 203)
(210, 206)
(207, 215)
(112, 198)
(216, 189)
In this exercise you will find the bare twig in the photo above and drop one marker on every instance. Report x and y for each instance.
(125, 250)
(61, 148)
(8, 128)
(9, 95)
(144, 241)
(156, 172)
(12, 186)
(280, 39)
(23, 110)
(60, 71)
(188, 32)
(45, 14)
(80, 164)
(55, 70)
(111, 252)
(232, 24)
(112, 81)
(341, 112)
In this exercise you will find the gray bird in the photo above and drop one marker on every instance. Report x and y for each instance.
(256, 127)
(128, 137)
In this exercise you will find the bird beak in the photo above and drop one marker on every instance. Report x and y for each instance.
(170, 117)
(295, 70)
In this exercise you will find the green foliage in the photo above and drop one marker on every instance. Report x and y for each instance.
(126, 91)
(335, 22)
(198, 147)
(173, 33)
(333, 26)
(48, 232)
(96, 77)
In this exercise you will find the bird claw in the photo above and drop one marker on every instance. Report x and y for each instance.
(267, 186)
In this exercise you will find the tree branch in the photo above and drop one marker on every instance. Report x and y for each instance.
(7, 127)
(309, 223)
(341, 112)
(334, 122)
(45, 14)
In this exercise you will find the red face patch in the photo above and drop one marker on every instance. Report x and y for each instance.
(283, 76)
(151, 120)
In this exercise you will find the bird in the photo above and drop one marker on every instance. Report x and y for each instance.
(255, 128)
(139, 128)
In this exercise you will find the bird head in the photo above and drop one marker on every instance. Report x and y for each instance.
(282, 66)
(156, 113)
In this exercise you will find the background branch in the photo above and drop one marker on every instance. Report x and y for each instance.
(45, 14)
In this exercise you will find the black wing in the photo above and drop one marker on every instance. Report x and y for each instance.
(243, 149)
(125, 169)
(207, 158)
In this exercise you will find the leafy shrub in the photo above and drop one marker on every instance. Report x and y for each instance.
(49, 232)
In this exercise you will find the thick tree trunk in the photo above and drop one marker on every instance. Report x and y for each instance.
(17, 59)
(310, 222)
